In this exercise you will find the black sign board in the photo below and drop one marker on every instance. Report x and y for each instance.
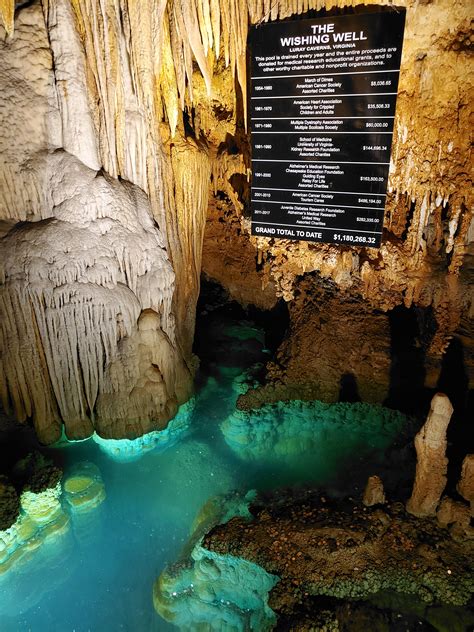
(322, 108)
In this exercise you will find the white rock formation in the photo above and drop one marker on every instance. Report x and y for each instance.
(29, 114)
(73, 287)
(78, 131)
(86, 287)
(432, 464)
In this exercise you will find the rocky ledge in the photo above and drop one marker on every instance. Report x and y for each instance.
(323, 548)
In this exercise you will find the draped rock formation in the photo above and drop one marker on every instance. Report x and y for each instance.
(73, 288)
(147, 102)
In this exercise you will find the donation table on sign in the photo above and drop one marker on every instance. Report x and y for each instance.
(322, 109)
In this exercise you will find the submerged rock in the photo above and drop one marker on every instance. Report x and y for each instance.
(41, 519)
(215, 592)
(319, 442)
(84, 488)
(45, 508)
(287, 429)
(207, 591)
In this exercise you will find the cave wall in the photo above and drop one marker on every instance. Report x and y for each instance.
(153, 94)
(425, 261)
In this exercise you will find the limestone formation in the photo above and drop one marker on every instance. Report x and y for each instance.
(431, 466)
(94, 288)
(313, 439)
(466, 483)
(320, 546)
(452, 512)
(338, 348)
(83, 488)
(154, 93)
(374, 493)
(47, 506)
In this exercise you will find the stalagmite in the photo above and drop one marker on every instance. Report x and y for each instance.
(374, 493)
(465, 485)
(431, 466)
(451, 512)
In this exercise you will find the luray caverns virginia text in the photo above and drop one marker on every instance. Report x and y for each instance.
(322, 107)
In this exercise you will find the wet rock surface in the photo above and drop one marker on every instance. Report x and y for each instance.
(322, 547)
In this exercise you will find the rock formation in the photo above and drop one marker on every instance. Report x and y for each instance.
(153, 94)
(431, 465)
(83, 488)
(456, 514)
(321, 552)
(466, 483)
(86, 294)
(374, 493)
(36, 507)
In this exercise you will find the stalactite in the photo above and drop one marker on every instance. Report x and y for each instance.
(7, 13)
(72, 289)
(189, 178)
(103, 80)
(200, 27)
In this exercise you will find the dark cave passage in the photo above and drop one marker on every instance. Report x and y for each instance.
(216, 311)
(410, 331)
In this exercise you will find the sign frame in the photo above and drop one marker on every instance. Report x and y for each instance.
(322, 110)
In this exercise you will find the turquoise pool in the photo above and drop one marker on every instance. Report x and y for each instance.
(98, 576)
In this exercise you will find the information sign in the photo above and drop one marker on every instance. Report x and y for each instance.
(322, 108)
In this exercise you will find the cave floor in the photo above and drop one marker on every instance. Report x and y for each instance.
(99, 575)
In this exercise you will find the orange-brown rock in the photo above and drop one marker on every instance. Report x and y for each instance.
(374, 493)
(229, 258)
(431, 466)
(466, 483)
(453, 512)
(337, 346)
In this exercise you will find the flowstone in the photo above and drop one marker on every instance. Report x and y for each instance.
(314, 439)
(93, 285)
(211, 591)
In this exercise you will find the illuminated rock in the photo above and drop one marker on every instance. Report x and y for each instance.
(42, 519)
(432, 464)
(83, 488)
(215, 592)
(111, 92)
(39, 532)
(374, 493)
(287, 431)
(466, 483)
(125, 450)
(94, 286)
(44, 506)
